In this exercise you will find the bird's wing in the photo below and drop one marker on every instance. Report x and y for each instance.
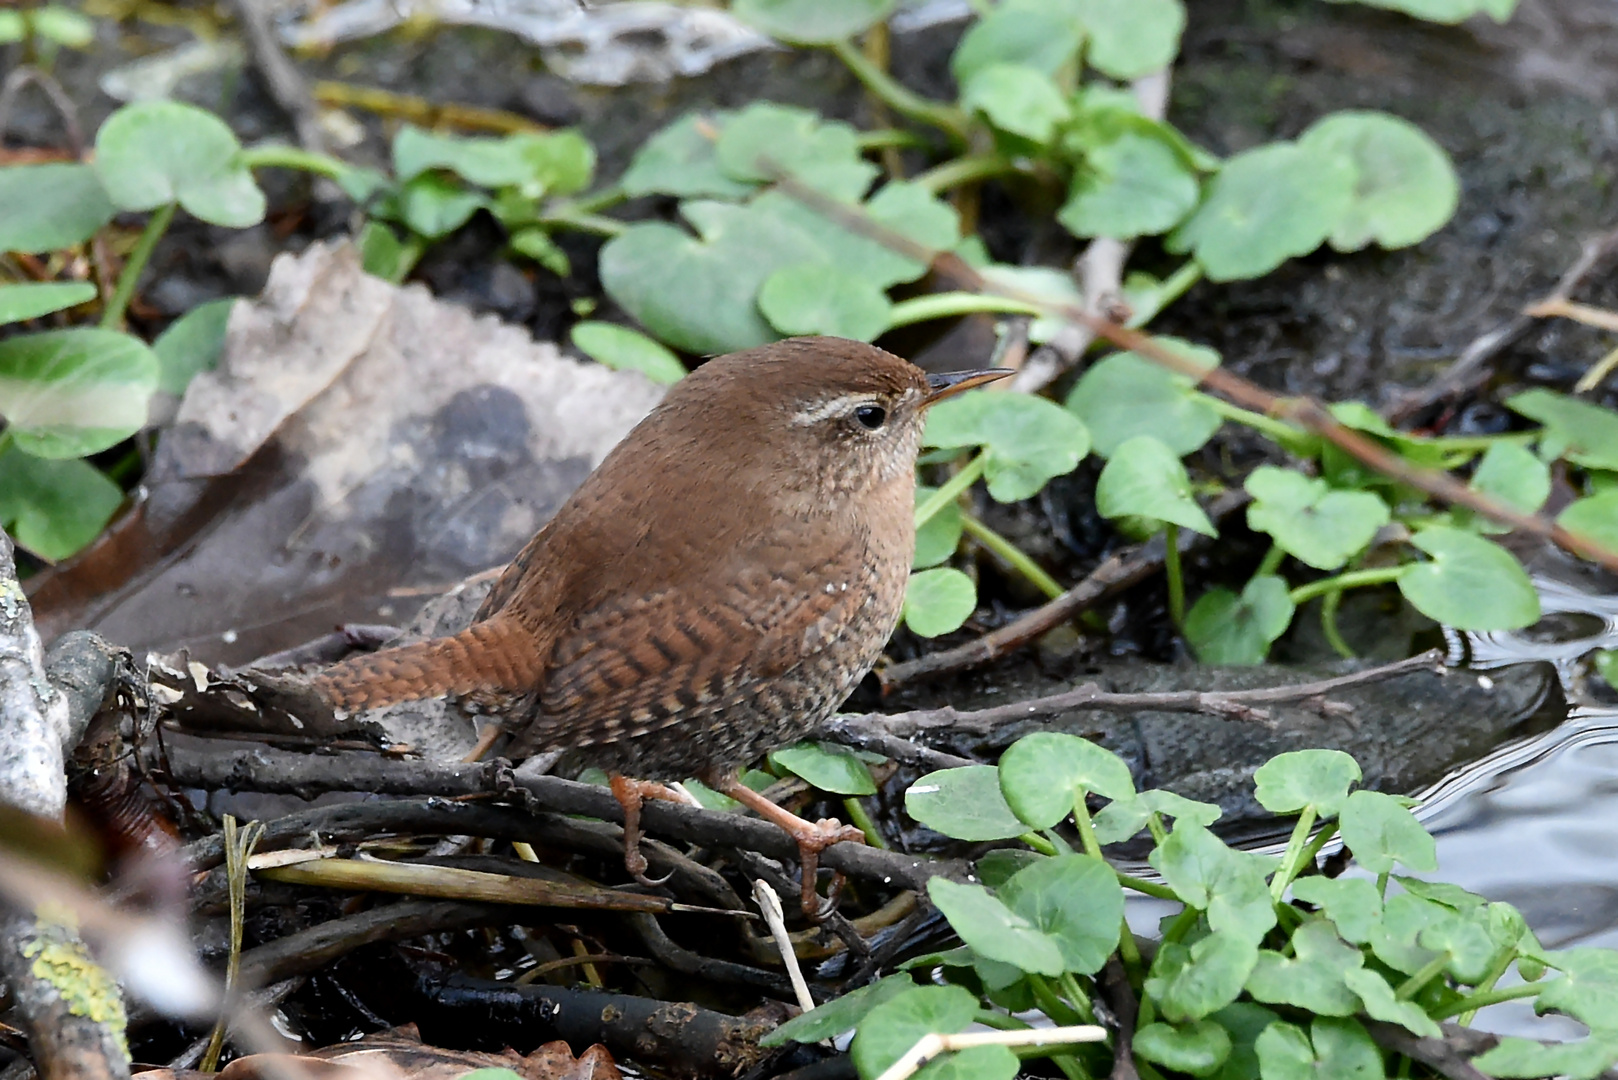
(631, 667)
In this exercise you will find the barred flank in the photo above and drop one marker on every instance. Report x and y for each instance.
(483, 656)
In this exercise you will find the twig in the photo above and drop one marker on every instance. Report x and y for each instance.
(857, 731)
(769, 905)
(931, 1045)
(1122, 570)
(1228, 703)
(1450, 1056)
(1120, 998)
(52, 90)
(1304, 412)
(284, 82)
(262, 769)
(686, 962)
(1469, 369)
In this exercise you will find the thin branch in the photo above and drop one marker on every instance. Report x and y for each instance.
(284, 82)
(930, 1046)
(263, 769)
(1304, 412)
(1470, 369)
(1128, 567)
(1238, 704)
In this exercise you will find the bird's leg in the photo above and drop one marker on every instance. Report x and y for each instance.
(630, 794)
(812, 837)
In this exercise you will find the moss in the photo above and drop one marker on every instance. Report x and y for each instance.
(60, 958)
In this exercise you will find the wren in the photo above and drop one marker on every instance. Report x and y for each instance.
(713, 591)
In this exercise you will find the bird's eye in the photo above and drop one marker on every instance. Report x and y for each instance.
(871, 417)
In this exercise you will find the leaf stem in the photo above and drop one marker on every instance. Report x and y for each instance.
(570, 217)
(1474, 1002)
(1012, 554)
(862, 821)
(882, 138)
(1075, 994)
(1328, 624)
(1322, 838)
(1429, 971)
(904, 101)
(1038, 843)
(1278, 430)
(952, 488)
(1271, 561)
(1000, 1021)
(1497, 968)
(1168, 290)
(948, 305)
(604, 199)
(1146, 888)
(1354, 579)
(156, 225)
(1087, 831)
(964, 170)
(1050, 1002)
(1173, 574)
(1291, 860)
(292, 157)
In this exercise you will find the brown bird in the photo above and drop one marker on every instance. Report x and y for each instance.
(713, 591)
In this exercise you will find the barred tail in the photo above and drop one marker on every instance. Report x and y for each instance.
(494, 654)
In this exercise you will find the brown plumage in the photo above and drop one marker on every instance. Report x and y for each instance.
(716, 588)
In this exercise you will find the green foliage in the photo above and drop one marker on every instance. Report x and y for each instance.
(69, 393)
(1245, 983)
(19, 303)
(623, 349)
(156, 153)
(938, 601)
(45, 207)
(826, 766)
(191, 344)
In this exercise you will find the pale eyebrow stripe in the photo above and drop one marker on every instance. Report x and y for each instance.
(825, 410)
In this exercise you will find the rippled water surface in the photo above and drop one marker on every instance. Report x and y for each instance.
(1536, 822)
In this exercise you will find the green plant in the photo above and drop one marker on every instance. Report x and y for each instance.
(1267, 970)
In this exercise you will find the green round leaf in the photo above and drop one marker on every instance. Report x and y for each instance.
(824, 154)
(1028, 439)
(938, 601)
(1587, 434)
(1134, 185)
(1470, 584)
(1042, 776)
(1125, 395)
(623, 349)
(46, 207)
(1588, 988)
(1123, 818)
(536, 243)
(681, 160)
(70, 393)
(192, 343)
(1406, 187)
(993, 930)
(1514, 476)
(1320, 778)
(1380, 831)
(893, 1026)
(1314, 524)
(1131, 38)
(381, 253)
(1581, 1060)
(435, 206)
(836, 1017)
(13, 27)
(1039, 34)
(64, 26)
(963, 803)
(1229, 885)
(54, 508)
(1595, 517)
(154, 153)
(1448, 11)
(1223, 628)
(1144, 478)
(973, 1063)
(1380, 1003)
(827, 767)
(1188, 984)
(1077, 900)
(1313, 977)
(812, 22)
(1353, 904)
(1265, 206)
(30, 300)
(700, 295)
(1196, 1049)
(1018, 99)
(817, 298)
(939, 536)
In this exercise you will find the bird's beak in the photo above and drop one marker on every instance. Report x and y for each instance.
(948, 384)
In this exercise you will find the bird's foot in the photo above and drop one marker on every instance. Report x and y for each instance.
(812, 837)
(630, 795)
